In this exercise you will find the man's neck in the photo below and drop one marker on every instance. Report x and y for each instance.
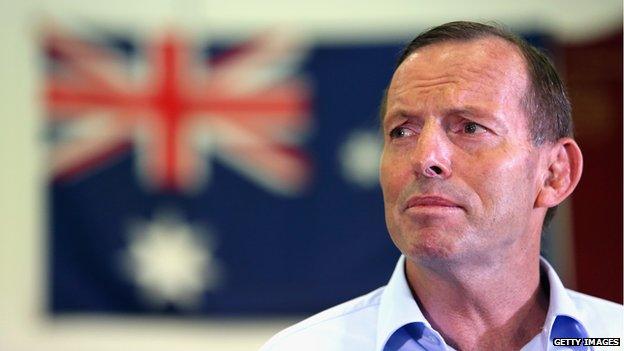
(490, 307)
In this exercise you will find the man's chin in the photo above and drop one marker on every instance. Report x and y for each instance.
(426, 252)
(433, 244)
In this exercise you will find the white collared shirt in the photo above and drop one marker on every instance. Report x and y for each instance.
(389, 319)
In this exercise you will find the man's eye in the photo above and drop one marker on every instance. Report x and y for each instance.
(400, 132)
(473, 128)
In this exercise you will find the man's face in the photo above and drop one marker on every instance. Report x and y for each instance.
(459, 173)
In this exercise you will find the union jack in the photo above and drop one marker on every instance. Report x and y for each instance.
(246, 106)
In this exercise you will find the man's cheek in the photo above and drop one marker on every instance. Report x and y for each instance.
(390, 181)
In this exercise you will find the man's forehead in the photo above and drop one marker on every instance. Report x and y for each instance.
(490, 56)
(488, 74)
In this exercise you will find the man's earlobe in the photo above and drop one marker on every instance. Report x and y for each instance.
(565, 165)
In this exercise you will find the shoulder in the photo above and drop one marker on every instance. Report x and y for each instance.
(350, 323)
(605, 318)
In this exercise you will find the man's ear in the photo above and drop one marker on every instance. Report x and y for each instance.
(565, 165)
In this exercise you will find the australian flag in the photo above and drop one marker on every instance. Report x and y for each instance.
(212, 178)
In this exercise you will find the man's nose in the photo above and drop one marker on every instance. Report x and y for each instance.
(432, 156)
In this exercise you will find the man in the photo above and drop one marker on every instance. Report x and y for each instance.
(477, 154)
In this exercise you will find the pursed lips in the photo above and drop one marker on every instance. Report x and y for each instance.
(430, 201)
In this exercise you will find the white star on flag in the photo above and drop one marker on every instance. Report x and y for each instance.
(171, 262)
(359, 158)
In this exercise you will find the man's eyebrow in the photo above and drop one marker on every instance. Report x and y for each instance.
(475, 112)
(468, 110)
(394, 114)
(402, 112)
(478, 113)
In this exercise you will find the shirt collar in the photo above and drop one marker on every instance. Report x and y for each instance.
(398, 307)
(559, 302)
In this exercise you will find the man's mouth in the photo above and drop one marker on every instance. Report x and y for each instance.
(430, 201)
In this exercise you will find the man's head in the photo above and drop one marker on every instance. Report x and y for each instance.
(545, 101)
(477, 149)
